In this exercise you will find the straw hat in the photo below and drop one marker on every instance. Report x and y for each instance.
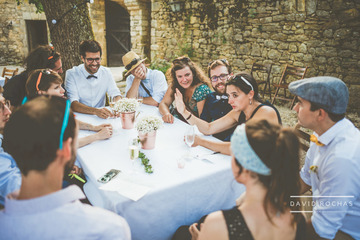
(131, 60)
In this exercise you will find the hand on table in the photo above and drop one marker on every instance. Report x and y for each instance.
(168, 118)
(103, 113)
(100, 127)
(179, 102)
(105, 133)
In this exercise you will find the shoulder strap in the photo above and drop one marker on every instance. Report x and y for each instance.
(256, 109)
(146, 90)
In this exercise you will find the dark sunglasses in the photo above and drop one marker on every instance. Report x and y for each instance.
(132, 63)
(45, 71)
(52, 53)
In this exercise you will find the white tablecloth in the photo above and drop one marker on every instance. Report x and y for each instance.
(177, 196)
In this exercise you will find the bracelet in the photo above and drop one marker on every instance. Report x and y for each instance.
(189, 117)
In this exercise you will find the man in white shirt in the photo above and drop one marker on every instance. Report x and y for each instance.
(332, 163)
(88, 83)
(42, 137)
(143, 82)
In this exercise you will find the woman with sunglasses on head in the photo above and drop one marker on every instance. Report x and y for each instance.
(191, 82)
(244, 99)
(48, 82)
(265, 158)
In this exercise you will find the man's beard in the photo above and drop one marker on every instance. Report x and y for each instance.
(90, 70)
(220, 91)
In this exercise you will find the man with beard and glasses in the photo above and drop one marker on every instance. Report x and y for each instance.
(88, 83)
(216, 104)
(42, 137)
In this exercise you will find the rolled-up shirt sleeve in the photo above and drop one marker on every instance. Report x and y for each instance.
(70, 86)
(340, 181)
(160, 86)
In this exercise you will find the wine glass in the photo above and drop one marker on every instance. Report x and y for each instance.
(190, 137)
(134, 148)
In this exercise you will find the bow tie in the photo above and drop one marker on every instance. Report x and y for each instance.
(91, 76)
(218, 97)
(314, 139)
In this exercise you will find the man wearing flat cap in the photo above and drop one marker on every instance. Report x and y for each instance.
(143, 82)
(332, 163)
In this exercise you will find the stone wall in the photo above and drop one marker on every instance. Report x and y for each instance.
(323, 35)
(97, 15)
(13, 36)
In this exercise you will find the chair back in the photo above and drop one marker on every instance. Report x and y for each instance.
(9, 72)
(265, 71)
(289, 74)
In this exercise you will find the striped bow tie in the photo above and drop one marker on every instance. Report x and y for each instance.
(314, 139)
(218, 97)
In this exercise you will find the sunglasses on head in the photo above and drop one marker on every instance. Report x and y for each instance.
(52, 53)
(65, 119)
(222, 60)
(181, 59)
(45, 71)
(132, 63)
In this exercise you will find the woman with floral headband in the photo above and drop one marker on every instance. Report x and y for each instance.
(191, 82)
(46, 81)
(265, 158)
(244, 98)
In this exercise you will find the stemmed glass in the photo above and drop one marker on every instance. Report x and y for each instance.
(190, 137)
(140, 100)
(134, 148)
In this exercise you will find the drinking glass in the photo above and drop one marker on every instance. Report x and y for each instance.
(140, 99)
(134, 148)
(190, 137)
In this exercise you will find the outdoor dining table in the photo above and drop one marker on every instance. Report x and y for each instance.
(174, 196)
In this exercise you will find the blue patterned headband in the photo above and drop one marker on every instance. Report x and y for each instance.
(245, 155)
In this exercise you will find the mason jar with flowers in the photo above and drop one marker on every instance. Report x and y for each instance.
(127, 108)
(146, 127)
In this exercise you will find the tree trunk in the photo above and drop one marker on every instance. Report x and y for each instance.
(70, 29)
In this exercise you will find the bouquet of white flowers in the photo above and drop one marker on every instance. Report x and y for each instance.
(125, 105)
(148, 124)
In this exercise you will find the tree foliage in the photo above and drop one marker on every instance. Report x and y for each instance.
(69, 24)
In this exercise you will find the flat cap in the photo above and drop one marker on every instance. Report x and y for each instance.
(329, 93)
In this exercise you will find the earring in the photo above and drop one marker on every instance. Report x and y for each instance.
(250, 101)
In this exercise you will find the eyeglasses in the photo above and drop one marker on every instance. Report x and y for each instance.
(45, 71)
(5, 103)
(132, 63)
(65, 119)
(91, 60)
(222, 77)
(181, 59)
(222, 60)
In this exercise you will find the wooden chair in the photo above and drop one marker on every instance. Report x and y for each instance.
(304, 137)
(266, 69)
(9, 72)
(295, 73)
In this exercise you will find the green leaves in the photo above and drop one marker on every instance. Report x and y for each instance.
(145, 161)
